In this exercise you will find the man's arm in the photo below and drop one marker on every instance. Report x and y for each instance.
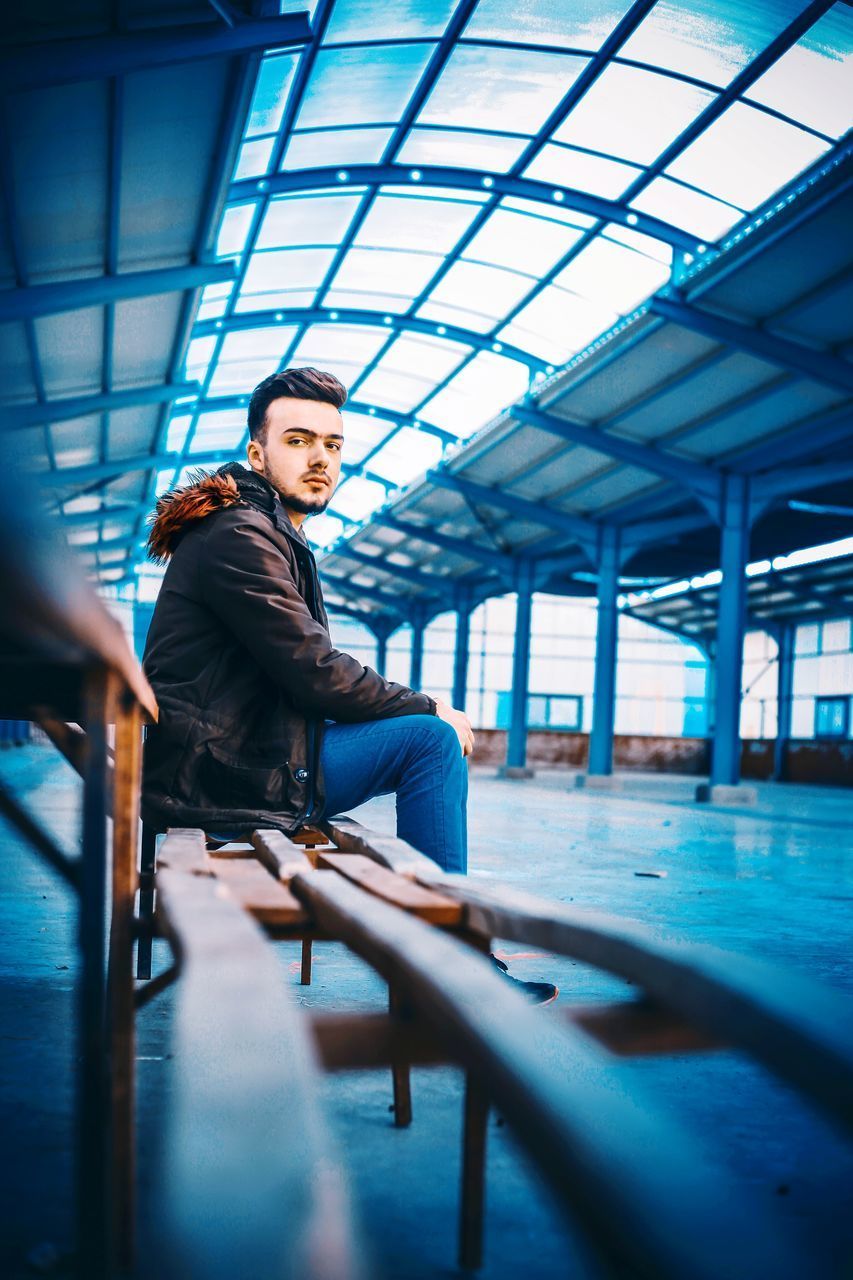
(249, 585)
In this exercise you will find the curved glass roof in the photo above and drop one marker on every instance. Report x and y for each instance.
(442, 202)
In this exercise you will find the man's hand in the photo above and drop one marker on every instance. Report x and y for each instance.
(460, 723)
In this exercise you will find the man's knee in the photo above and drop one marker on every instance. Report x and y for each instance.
(432, 733)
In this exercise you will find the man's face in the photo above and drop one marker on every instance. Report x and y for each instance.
(301, 455)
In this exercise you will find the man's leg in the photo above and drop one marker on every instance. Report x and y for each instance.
(420, 759)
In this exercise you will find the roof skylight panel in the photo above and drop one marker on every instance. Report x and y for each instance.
(583, 24)
(254, 158)
(272, 86)
(376, 19)
(568, 167)
(357, 498)
(555, 324)
(353, 345)
(613, 276)
(178, 430)
(486, 87)
(710, 40)
(407, 454)
(632, 114)
(414, 222)
(362, 434)
(515, 240)
(248, 356)
(281, 271)
(394, 272)
(307, 220)
(396, 389)
(488, 291)
(485, 386)
(369, 85)
(198, 358)
(234, 230)
(323, 529)
(431, 357)
(321, 148)
(462, 149)
(219, 429)
(691, 210)
(746, 155)
(813, 82)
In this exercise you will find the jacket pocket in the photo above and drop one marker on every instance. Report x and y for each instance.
(233, 782)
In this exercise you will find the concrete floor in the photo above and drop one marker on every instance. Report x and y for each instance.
(774, 881)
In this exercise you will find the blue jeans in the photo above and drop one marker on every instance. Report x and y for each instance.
(419, 758)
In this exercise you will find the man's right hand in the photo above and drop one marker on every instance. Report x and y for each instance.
(460, 723)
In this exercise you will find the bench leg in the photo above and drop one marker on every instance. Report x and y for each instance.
(147, 868)
(400, 1071)
(305, 976)
(473, 1175)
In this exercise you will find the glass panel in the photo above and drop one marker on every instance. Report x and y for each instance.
(248, 357)
(278, 298)
(270, 96)
(462, 149)
(657, 249)
(478, 392)
(411, 222)
(287, 269)
(254, 159)
(199, 354)
(681, 207)
(632, 113)
(570, 217)
(583, 24)
(358, 498)
(710, 39)
(746, 156)
(491, 291)
(385, 79)
(566, 167)
(463, 317)
(486, 88)
(293, 220)
(212, 310)
(403, 274)
(407, 454)
(177, 434)
(363, 19)
(613, 276)
(322, 530)
(556, 324)
(236, 222)
(395, 390)
(813, 81)
(433, 358)
(387, 303)
(362, 434)
(316, 149)
(325, 343)
(515, 240)
(220, 430)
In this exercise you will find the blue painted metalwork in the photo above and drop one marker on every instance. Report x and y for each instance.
(426, 581)
(731, 619)
(392, 323)
(784, 698)
(28, 415)
(694, 475)
(375, 176)
(804, 361)
(516, 753)
(123, 52)
(463, 605)
(71, 295)
(606, 639)
(774, 484)
(468, 550)
(394, 604)
(821, 431)
(635, 535)
(585, 531)
(418, 617)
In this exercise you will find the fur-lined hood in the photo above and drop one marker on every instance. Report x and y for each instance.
(207, 492)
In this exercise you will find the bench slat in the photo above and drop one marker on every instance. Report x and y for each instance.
(385, 884)
(281, 857)
(389, 851)
(268, 900)
(613, 1161)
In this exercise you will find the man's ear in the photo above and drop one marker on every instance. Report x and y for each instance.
(255, 454)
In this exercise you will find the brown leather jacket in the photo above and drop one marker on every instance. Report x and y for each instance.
(240, 658)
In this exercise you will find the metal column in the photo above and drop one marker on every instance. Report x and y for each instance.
(416, 670)
(606, 637)
(461, 651)
(381, 651)
(516, 756)
(734, 552)
(784, 694)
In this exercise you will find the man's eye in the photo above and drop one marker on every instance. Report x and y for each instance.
(333, 444)
(296, 440)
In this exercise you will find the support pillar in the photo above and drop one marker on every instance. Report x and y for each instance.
(784, 696)
(418, 621)
(731, 618)
(600, 768)
(516, 755)
(381, 634)
(462, 648)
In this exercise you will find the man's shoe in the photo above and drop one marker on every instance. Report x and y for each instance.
(535, 992)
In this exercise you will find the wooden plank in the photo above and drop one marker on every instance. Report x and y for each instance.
(281, 857)
(800, 1030)
(389, 851)
(638, 1028)
(184, 850)
(405, 894)
(251, 1181)
(268, 900)
(608, 1158)
(353, 1041)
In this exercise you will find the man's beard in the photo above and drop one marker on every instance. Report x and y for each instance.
(305, 506)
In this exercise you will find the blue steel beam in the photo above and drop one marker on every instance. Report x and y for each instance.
(124, 52)
(28, 415)
(636, 535)
(785, 482)
(731, 625)
(71, 295)
(784, 698)
(119, 513)
(394, 604)
(374, 176)
(466, 550)
(516, 753)
(815, 365)
(534, 512)
(393, 323)
(694, 475)
(431, 583)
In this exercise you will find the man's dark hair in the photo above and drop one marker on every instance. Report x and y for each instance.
(300, 384)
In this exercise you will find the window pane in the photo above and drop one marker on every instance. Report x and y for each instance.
(479, 392)
(219, 430)
(234, 229)
(369, 270)
(271, 92)
(493, 290)
(434, 358)
(583, 24)
(316, 148)
(512, 239)
(411, 222)
(407, 454)
(633, 114)
(362, 19)
(254, 159)
(487, 88)
(556, 324)
(361, 434)
(384, 78)
(295, 220)
(323, 529)
(286, 269)
(566, 167)
(613, 276)
(343, 350)
(813, 81)
(690, 210)
(395, 390)
(461, 148)
(358, 498)
(746, 156)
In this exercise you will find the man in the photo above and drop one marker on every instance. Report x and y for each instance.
(263, 722)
